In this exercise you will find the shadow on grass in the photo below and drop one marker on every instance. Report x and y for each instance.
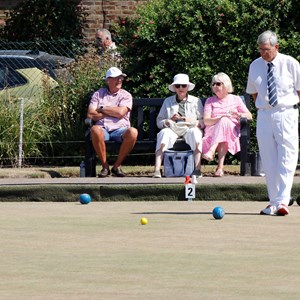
(192, 213)
(53, 174)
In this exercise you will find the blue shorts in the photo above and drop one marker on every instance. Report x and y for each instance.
(114, 135)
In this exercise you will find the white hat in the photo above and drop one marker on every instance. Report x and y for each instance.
(114, 72)
(181, 79)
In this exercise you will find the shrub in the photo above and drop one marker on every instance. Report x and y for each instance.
(46, 20)
(68, 105)
(201, 38)
(36, 130)
(53, 127)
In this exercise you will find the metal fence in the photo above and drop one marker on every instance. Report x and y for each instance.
(70, 70)
(27, 71)
(30, 60)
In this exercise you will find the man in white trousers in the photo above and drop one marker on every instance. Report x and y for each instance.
(274, 83)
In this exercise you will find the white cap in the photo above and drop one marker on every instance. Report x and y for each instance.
(114, 72)
(181, 79)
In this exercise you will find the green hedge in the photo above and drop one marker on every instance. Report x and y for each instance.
(200, 38)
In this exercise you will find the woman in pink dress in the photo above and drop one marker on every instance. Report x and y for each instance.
(222, 114)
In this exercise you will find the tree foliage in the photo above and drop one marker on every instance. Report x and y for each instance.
(45, 20)
(200, 38)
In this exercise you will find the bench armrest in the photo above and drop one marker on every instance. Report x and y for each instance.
(88, 122)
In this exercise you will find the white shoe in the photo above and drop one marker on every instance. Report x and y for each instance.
(282, 210)
(194, 179)
(157, 174)
(270, 210)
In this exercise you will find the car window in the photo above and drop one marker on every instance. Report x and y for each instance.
(10, 78)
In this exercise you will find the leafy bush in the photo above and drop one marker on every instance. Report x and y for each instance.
(46, 20)
(69, 102)
(200, 38)
(53, 127)
(167, 37)
(36, 130)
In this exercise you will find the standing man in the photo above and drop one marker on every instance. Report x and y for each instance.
(274, 83)
(105, 45)
(110, 109)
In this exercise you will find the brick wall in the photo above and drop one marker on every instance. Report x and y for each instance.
(6, 5)
(101, 13)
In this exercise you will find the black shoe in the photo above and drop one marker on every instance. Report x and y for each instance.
(117, 172)
(104, 173)
(197, 173)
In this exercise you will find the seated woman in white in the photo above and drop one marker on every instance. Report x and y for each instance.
(181, 107)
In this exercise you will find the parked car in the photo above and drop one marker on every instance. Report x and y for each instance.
(26, 73)
(27, 83)
(20, 59)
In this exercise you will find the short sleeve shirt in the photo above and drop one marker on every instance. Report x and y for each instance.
(104, 98)
(287, 78)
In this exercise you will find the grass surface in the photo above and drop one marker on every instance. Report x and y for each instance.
(100, 251)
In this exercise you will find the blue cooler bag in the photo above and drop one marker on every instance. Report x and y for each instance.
(178, 163)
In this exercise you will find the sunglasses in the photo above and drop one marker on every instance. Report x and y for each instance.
(217, 83)
(180, 85)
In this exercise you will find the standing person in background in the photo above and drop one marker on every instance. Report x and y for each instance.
(180, 107)
(222, 114)
(105, 45)
(110, 109)
(274, 83)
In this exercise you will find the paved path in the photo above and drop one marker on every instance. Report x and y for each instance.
(228, 179)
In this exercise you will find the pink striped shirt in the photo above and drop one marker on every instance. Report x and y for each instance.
(104, 98)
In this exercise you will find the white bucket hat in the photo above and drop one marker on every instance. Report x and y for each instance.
(114, 72)
(181, 79)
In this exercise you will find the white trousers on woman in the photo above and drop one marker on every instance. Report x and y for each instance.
(168, 137)
(277, 136)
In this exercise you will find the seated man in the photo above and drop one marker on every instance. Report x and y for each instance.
(110, 109)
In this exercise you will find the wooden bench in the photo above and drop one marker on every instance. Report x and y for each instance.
(148, 109)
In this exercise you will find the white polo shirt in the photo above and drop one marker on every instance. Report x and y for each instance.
(287, 77)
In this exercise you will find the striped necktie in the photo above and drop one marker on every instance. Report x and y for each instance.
(271, 86)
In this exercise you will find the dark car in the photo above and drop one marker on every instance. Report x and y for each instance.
(27, 83)
(27, 73)
(21, 59)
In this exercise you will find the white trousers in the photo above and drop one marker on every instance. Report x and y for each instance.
(278, 141)
(168, 137)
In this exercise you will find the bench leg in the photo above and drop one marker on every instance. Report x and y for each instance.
(90, 160)
(245, 167)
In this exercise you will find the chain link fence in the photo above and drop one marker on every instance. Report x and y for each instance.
(37, 117)
(45, 88)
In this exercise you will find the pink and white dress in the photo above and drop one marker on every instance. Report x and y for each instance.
(227, 129)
